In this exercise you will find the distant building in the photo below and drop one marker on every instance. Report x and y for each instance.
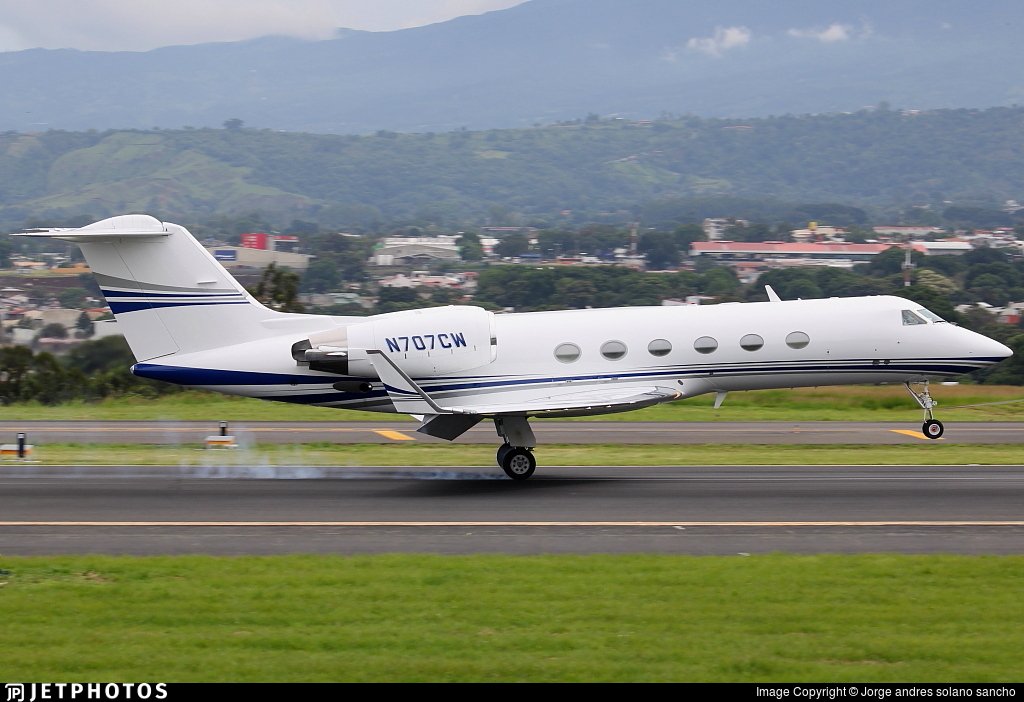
(411, 250)
(716, 227)
(823, 253)
(269, 242)
(335, 298)
(947, 247)
(236, 257)
(422, 279)
(818, 232)
(907, 232)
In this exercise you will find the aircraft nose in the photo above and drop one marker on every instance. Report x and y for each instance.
(986, 347)
(1000, 350)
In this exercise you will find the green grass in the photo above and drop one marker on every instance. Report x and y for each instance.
(505, 618)
(851, 403)
(420, 454)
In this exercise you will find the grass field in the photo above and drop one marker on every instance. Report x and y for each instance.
(416, 454)
(852, 403)
(503, 618)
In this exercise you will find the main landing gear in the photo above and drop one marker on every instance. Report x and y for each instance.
(515, 456)
(932, 428)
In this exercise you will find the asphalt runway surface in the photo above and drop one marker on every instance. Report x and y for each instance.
(547, 431)
(624, 509)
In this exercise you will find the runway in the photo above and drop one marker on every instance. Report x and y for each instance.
(625, 509)
(547, 431)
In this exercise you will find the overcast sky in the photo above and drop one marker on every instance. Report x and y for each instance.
(138, 25)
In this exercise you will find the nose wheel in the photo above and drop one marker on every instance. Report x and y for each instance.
(932, 428)
(517, 462)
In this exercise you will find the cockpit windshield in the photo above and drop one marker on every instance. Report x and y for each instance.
(930, 316)
(921, 316)
(909, 319)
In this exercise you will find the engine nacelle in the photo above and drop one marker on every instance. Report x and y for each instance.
(423, 343)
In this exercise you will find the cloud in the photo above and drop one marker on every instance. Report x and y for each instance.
(721, 40)
(831, 34)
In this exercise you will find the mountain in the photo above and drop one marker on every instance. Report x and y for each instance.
(883, 160)
(542, 62)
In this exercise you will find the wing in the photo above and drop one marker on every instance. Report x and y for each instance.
(410, 398)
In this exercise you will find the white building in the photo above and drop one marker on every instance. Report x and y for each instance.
(234, 257)
(410, 250)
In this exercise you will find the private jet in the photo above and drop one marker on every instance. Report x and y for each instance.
(189, 322)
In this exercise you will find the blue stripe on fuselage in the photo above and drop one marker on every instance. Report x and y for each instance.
(211, 376)
(122, 307)
(146, 293)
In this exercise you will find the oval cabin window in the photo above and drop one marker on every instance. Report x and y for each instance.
(613, 350)
(567, 353)
(705, 344)
(797, 340)
(751, 342)
(659, 347)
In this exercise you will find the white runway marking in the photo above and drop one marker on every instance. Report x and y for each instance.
(882, 523)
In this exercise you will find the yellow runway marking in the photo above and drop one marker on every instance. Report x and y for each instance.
(911, 432)
(512, 524)
(393, 435)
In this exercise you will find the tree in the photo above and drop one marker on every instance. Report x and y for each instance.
(321, 276)
(53, 330)
(989, 288)
(512, 245)
(72, 298)
(84, 326)
(659, 249)
(720, 282)
(470, 247)
(278, 289)
(15, 364)
(233, 124)
(397, 299)
(686, 234)
(935, 281)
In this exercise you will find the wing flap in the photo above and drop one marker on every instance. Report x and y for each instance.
(410, 398)
(598, 401)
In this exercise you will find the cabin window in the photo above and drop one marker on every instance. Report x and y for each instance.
(567, 353)
(751, 342)
(659, 347)
(910, 319)
(797, 340)
(930, 316)
(613, 350)
(705, 344)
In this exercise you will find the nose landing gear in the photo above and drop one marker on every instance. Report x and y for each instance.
(932, 428)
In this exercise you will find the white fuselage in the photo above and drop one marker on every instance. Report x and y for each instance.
(795, 343)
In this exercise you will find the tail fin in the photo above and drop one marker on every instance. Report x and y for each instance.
(168, 293)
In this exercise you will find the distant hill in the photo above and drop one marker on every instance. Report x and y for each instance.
(883, 160)
(541, 62)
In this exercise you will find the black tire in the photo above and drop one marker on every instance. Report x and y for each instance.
(502, 450)
(518, 463)
(932, 429)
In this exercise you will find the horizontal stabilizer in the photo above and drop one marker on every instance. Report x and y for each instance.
(124, 226)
